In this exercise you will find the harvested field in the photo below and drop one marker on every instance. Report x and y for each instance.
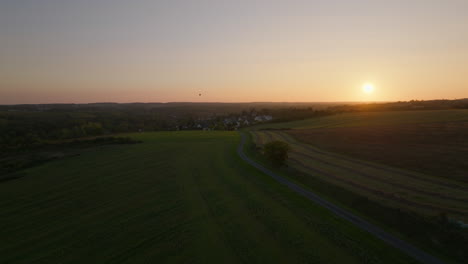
(363, 119)
(390, 186)
(439, 149)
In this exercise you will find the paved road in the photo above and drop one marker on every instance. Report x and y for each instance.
(357, 221)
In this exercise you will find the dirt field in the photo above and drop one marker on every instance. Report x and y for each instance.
(439, 149)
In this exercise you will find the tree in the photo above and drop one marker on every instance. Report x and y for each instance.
(276, 152)
(91, 129)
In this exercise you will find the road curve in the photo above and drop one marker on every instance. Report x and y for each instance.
(342, 213)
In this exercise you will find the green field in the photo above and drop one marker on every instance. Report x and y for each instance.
(178, 197)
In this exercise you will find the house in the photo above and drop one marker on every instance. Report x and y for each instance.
(263, 118)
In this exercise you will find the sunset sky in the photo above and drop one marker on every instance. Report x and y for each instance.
(81, 51)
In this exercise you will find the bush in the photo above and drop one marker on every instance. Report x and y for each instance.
(276, 152)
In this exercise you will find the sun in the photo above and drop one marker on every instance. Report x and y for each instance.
(368, 88)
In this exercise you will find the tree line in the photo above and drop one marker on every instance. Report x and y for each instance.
(27, 125)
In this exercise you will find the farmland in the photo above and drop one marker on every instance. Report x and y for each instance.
(388, 185)
(430, 142)
(360, 119)
(392, 157)
(403, 169)
(437, 149)
(177, 197)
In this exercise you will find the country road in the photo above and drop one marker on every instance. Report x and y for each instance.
(412, 251)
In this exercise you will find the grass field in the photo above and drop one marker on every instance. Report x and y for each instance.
(178, 197)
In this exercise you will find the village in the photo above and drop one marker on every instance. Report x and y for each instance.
(227, 122)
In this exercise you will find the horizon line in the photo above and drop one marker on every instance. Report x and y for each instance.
(250, 102)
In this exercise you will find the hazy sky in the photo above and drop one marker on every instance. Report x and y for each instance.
(158, 51)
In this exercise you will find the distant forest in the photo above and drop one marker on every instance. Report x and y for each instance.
(23, 126)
